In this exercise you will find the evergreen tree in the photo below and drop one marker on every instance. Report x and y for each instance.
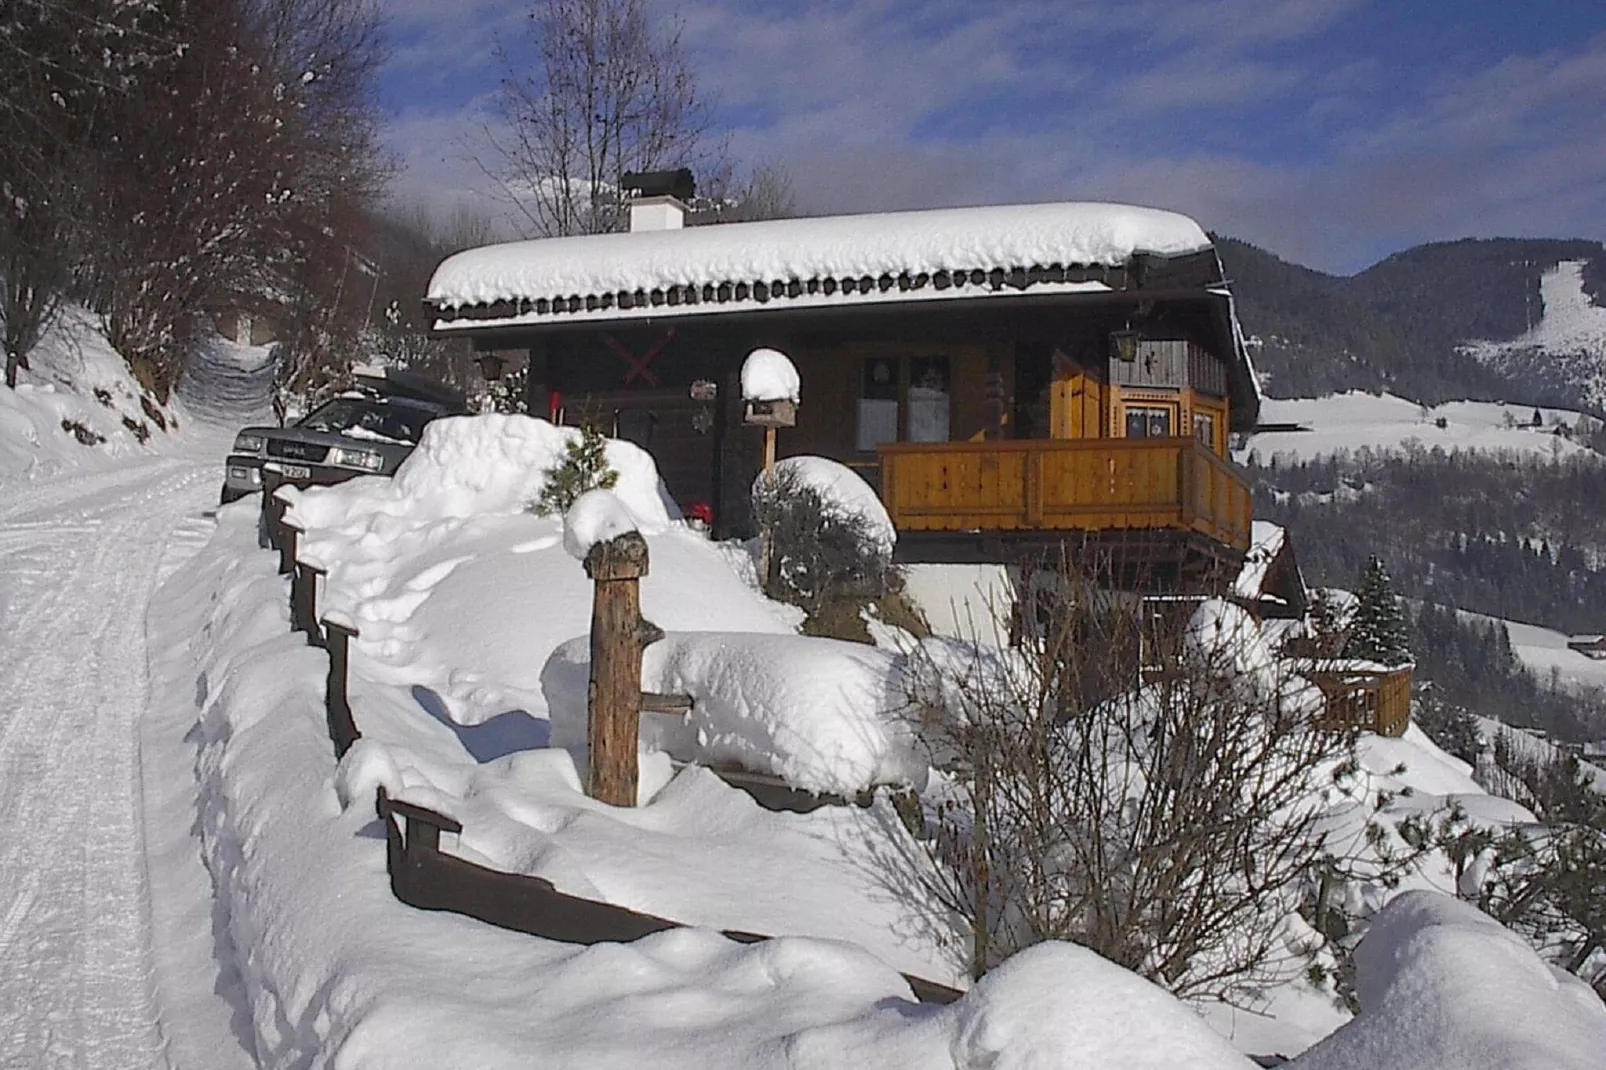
(584, 467)
(1377, 630)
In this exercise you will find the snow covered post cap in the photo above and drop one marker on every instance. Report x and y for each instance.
(596, 517)
(769, 375)
(770, 389)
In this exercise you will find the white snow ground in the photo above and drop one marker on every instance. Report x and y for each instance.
(1570, 335)
(1384, 422)
(120, 948)
(98, 900)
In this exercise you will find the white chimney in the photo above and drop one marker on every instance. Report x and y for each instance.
(657, 213)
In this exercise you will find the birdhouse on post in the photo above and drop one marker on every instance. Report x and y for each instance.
(778, 413)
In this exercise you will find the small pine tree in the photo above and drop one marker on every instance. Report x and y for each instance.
(1377, 631)
(584, 467)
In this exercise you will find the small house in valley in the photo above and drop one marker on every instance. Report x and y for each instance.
(1011, 379)
(1591, 646)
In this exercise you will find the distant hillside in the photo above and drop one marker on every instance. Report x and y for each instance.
(1401, 325)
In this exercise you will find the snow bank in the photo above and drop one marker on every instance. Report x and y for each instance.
(1442, 985)
(842, 489)
(824, 715)
(456, 587)
(769, 375)
(69, 407)
(1052, 1007)
(472, 466)
(835, 246)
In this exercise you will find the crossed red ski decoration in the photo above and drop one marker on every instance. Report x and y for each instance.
(638, 366)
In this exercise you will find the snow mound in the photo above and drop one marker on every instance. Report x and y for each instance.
(1052, 1007)
(824, 715)
(842, 489)
(471, 466)
(1442, 985)
(75, 406)
(769, 375)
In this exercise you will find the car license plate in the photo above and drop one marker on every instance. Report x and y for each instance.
(296, 471)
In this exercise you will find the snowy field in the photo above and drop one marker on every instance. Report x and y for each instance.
(1545, 651)
(191, 880)
(1355, 420)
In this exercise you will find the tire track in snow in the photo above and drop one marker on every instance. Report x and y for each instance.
(76, 964)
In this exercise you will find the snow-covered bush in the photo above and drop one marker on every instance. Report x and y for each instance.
(1169, 816)
(830, 542)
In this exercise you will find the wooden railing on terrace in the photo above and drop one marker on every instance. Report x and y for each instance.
(1362, 695)
(1035, 485)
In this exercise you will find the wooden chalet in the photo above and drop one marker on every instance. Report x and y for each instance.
(1012, 379)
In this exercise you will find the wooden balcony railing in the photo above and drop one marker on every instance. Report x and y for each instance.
(1036, 485)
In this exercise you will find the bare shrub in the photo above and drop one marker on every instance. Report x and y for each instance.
(1149, 785)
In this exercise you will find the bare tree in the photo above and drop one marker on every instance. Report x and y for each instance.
(1152, 787)
(62, 63)
(766, 193)
(236, 173)
(609, 93)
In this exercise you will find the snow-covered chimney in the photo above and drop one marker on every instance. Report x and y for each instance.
(657, 213)
(658, 198)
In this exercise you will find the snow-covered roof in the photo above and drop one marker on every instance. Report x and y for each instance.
(893, 256)
(1265, 543)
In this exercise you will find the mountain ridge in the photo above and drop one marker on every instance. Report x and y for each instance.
(1403, 325)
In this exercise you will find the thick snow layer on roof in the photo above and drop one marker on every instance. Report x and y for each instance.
(1265, 543)
(1443, 985)
(835, 246)
(769, 375)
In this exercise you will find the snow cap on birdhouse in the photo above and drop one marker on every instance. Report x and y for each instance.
(770, 389)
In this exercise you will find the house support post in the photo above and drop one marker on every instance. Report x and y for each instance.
(618, 637)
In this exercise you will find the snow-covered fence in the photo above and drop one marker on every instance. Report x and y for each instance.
(423, 876)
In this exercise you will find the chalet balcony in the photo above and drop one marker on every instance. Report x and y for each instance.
(1171, 494)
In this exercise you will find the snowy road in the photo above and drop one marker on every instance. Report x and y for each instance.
(80, 557)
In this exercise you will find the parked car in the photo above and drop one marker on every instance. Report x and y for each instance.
(368, 430)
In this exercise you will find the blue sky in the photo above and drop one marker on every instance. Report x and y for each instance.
(1333, 132)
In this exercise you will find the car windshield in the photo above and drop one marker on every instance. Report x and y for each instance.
(380, 421)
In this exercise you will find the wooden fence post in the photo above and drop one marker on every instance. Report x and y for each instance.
(288, 537)
(272, 509)
(337, 704)
(618, 637)
(304, 601)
